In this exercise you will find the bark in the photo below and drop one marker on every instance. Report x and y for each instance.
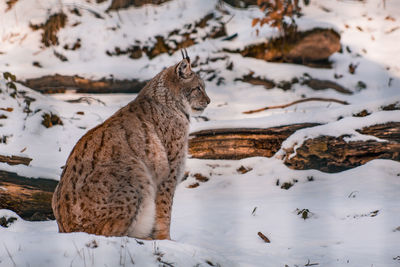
(325, 153)
(15, 160)
(334, 154)
(60, 83)
(240, 143)
(311, 48)
(30, 198)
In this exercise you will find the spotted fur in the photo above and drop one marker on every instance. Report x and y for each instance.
(121, 176)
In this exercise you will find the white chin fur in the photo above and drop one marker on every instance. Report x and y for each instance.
(195, 112)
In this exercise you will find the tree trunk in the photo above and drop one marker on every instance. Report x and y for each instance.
(334, 154)
(15, 160)
(240, 143)
(325, 153)
(30, 198)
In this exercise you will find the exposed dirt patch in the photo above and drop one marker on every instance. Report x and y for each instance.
(50, 28)
(211, 27)
(50, 120)
(10, 4)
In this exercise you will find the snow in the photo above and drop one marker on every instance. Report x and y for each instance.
(354, 215)
(214, 222)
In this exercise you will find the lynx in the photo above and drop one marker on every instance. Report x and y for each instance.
(121, 176)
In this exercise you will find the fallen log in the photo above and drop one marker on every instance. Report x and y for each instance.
(312, 48)
(325, 153)
(30, 198)
(334, 154)
(15, 160)
(52, 84)
(239, 143)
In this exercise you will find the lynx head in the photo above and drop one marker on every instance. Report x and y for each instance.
(191, 86)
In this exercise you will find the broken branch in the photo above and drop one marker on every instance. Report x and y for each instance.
(15, 160)
(297, 102)
(263, 237)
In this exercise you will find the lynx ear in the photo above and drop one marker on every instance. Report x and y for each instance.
(183, 69)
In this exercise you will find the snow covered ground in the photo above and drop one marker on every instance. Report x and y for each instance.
(352, 220)
(352, 217)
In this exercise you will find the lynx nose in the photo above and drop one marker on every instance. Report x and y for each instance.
(208, 100)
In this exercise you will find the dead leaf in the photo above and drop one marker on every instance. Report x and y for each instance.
(7, 109)
(392, 30)
(193, 185)
(390, 18)
(201, 178)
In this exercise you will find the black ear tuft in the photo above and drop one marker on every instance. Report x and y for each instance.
(183, 69)
(185, 54)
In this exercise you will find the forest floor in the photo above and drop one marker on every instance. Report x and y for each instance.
(311, 218)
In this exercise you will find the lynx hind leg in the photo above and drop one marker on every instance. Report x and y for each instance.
(133, 207)
(111, 200)
(142, 224)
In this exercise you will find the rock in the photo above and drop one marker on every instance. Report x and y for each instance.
(175, 40)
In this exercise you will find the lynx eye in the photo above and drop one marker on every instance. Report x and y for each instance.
(197, 89)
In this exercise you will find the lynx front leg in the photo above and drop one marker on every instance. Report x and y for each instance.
(164, 199)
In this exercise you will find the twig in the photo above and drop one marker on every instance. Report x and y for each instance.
(254, 211)
(263, 237)
(86, 99)
(9, 255)
(310, 264)
(353, 194)
(297, 102)
(130, 256)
